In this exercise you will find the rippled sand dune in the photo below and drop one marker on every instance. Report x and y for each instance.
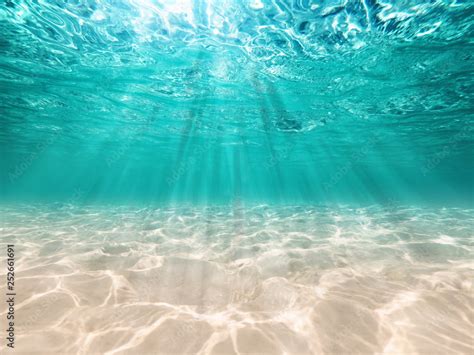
(260, 280)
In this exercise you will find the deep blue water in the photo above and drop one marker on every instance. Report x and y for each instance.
(323, 102)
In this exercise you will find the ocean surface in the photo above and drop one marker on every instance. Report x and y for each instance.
(251, 177)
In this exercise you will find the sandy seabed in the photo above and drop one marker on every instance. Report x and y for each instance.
(254, 280)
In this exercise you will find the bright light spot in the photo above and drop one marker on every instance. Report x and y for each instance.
(166, 6)
(172, 14)
(164, 9)
(256, 4)
(98, 15)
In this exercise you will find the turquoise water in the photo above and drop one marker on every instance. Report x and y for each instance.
(203, 102)
(236, 177)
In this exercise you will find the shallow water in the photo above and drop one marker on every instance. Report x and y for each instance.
(224, 177)
(210, 101)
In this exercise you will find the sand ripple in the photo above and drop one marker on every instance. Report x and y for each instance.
(294, 280)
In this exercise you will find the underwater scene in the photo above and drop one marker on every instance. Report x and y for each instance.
(237, 177)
